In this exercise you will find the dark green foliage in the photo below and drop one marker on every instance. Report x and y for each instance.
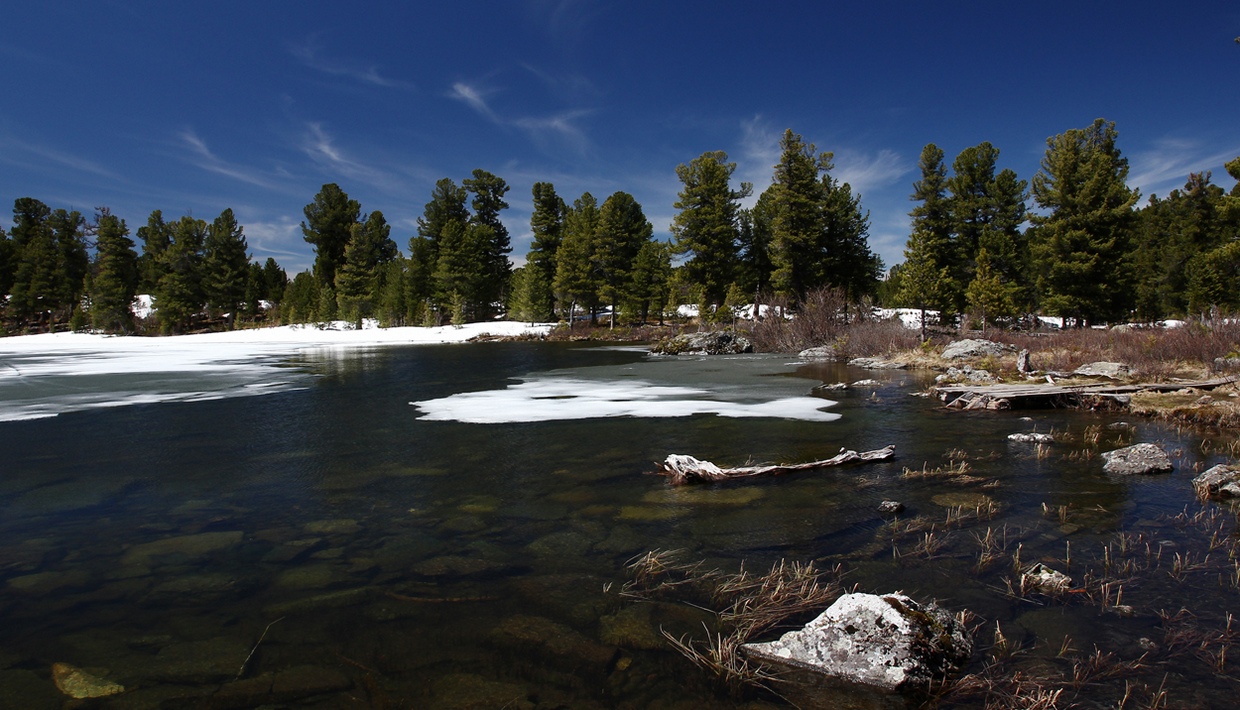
(1080, 244)
(622, 230)
(179, 295)
(114, 279)
(156, 237)
(819, 235)
(357, 280)
(460, 284)
(708, 224)
(225, 266)
(547, 224)
(420, 280)
(648, 281)
(575, 282)
(754, 237)
(72, 259)
(301, 299)
(7, 265)
(925, 280)
(274, 281)
(329, 226)
(488, 201)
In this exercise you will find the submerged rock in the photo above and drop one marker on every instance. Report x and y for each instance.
(890, 507)
(877, 363)
(78, 684)
(1045, 580)
(889, 642)
(720, 342)
(1137, 459)
(974, 348)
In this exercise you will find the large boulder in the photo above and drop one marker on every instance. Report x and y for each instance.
(720, 342)
(1110, 370)
(974, 348)
(1220, 480)
(1137, 459)
(888, 642)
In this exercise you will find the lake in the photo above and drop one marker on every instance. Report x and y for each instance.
(449, 527)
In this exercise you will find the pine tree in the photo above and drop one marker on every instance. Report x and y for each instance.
(796, 223)
(156, 237)
(754, 236)
(7, 263)
(844, 246)
(328, 227)
(420, 279)
(622, 230)
(987, 294)
(72, 259)
(179, 294)
(300, 301)
(370, 248)
(114, 278)
(547, 225)
(576, 282)
(1078, 247)
(225, 267)
(707, 225)
(925, 280)
(648, 280)
(488, 201)
(459, 279)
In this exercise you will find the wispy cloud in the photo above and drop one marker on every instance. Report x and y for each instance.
(866, 172)
(1166, 166)
(321, 147)
(280, 238)
(310, 54)
(561, 126)
(475, 98)
(202, 156)
(13, 147)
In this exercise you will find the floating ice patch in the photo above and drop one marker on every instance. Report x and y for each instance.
(551, 399)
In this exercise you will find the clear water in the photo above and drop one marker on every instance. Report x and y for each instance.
(412, 560)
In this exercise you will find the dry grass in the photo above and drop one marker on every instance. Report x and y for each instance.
(1191, 407)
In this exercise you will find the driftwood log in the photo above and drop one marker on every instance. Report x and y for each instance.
(681, 468)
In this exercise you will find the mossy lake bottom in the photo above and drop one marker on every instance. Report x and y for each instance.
(448, 526)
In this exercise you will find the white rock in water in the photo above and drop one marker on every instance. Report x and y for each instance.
(890, 642)
(1112, 370)
(1032, 438)
(1137, 459)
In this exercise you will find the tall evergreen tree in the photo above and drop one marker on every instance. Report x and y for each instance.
(796, 224)
(179, 294)
(706, 227)
(488, 201)
(847, 262)
(648, 280)
(547, 225)
(925, 278)
(7, 265)
(114, 279)
(34, 261)
(328, 227)
(156, 237)
(72, 259)
(1079, 244)
(225, 266)
(576, 281)
(357, 280)
(621, 232)
(754, 236)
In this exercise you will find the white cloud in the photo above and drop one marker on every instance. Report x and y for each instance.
(865, 172)
(474, 98)
(207, 160)
(320, 146)
(543, 130)
(309, 54)
(1166, 166)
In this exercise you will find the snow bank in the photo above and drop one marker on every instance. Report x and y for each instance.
(557, 398)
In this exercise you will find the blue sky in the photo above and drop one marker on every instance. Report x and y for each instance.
(195, 107)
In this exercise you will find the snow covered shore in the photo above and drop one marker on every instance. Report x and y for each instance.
(88, 353)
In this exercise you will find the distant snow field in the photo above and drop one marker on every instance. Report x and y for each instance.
(52, 373)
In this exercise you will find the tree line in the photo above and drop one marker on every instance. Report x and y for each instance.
(1086, 253)
(1083, 251)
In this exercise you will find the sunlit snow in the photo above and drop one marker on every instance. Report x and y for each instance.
(540, 400)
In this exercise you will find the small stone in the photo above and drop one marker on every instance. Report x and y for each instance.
(1031, 438)
(822, 352)
(77, 683)
(1045, 580)
(1215, 479)
(890, 507)
(867, 383)
(877, 363)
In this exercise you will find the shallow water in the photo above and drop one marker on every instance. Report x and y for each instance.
(411, 559)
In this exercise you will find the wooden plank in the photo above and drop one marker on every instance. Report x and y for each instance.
(1021, 392)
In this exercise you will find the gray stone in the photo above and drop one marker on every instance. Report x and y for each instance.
(1110, 370)
(1022, 362)
(867, 383)
(1226, 363)
(1031, 438)
(1046, 580)
(79, 684)
(719, 342)
(833, 387)
(890, 507)
(876, 363)
(889, 642)
(974, 348)
(1215, 479)
(822, 352)
(1137, 459)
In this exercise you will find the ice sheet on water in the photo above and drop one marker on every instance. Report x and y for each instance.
(555, 398)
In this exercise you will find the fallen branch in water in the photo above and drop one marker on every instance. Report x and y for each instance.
(681, 468)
